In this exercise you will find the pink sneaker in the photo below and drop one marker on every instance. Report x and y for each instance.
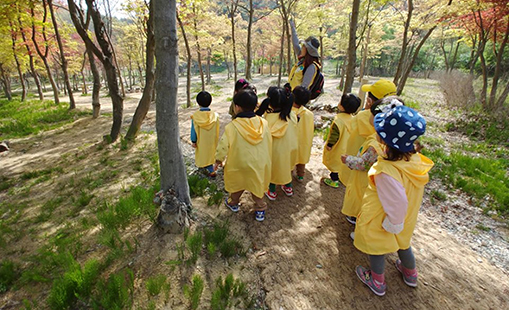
(409, 279)
(288, 190)
(271, 195)
(364, 275)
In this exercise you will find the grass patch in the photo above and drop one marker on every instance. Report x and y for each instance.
(156, 284)
(482, 127)
(20, 119)
(219, 238)
(230, 293)
(193, 293)
(482, 178)
(39, 173)
(200, 186)
(8, 275)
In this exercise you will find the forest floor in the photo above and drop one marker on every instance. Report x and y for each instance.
(300, 257)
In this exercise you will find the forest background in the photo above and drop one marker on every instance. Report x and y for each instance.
(55, 55)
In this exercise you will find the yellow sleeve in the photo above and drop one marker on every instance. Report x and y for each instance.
(222, 148)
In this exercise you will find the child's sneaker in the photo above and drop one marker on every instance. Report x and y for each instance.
(288, 190)
(260, 216)
(234, 208)
(331, 183)
(410, 280)
(299, 178)
(366, 278)
(352, 235)
(212, 174)
(351, 219)
(271, 195)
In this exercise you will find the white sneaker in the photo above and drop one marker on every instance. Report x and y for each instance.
(352, 235)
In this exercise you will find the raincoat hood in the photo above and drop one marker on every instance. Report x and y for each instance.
(251, 129)
(278, 128)
(365, 128)
(205, 119)
(416, 169)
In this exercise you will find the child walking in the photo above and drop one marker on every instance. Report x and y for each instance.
(241, 84)
(392, 200)
(305, 129)
(366, 157)
(205, 133)
(283, 127)
(337, 141)
(247, 146)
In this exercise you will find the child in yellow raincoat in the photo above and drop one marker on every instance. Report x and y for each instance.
(283, 127)
(205, 133)
(366, 157)
(392, 200)
(337, 141)
(305, 129)
(247, 146)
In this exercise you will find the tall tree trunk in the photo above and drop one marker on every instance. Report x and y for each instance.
(189, 62)
(18, 64)
(6, 83)
(404, 44)
(174, 213)
(198, 49)
(82, 71)
(72, 104)
(232, 11)
(454, 55)
(281, 53)
(352, 50)
(365, 55)
(33, 71)
(96, 88)
(44, 56)
(248, 44)
(444, 52)
(146, 99)
(404, 78)
(105, 55)
(209, 52)
(498, 68)
(503, 96)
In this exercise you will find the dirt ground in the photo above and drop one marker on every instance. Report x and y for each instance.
(300, 257)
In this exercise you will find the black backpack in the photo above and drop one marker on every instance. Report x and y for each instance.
(316, 87)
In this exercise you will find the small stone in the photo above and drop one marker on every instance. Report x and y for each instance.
(479, 260)
(319, 266)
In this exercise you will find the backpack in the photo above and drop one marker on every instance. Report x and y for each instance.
(316, 88)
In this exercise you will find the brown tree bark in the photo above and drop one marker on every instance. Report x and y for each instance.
(189, 62)
(352, 50)
(198, 48)
(404, 44)
(72, 104)
(249, 61)
(44, 55)
(6, 83)
(33, 71)
(146, 99)
(232, 10)
(104, 54)
(498, 69)
(173, 214)
(18, 64)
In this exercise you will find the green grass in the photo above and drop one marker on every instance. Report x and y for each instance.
(200, 186)
(9, 273)
(20, 119)
(230, 293)
(193, 293)
(479, 176)
(483, 127)
(156, 284)
(219, 237)
(116, 293)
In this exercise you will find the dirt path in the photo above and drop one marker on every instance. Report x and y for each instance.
(301, 257)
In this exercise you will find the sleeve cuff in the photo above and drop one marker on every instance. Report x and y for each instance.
(392, 228)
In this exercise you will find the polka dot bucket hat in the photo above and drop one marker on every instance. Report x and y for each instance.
(400, 127)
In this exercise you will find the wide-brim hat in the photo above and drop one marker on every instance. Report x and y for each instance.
(381, 88)
(312, 44)
(400, 127)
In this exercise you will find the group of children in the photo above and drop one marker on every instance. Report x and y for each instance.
(373, 153)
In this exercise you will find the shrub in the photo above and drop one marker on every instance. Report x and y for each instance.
(8, 274)
(155, 284)
(231, 292)
(458, 89)
(194, 292)
(116, 292)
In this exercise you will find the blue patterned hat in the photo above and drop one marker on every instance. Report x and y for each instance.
(400, 127)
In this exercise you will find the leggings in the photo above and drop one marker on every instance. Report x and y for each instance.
(407, 258)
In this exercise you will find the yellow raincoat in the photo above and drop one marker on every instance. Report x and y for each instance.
(305, 133)
(358, 180)
(370, 237)
(360, 129)
(284, 147)
(332, 158)
(247, 146)
(206, 125)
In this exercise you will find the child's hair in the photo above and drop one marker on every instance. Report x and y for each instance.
(203, 99)
(350, 103)
(386, 104)
(280, 100)
(370, 95)
(302, 95)
(246, 99)
(240, 84)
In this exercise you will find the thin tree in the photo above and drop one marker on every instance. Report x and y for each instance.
(173, 213)
(232, 11)
(352, 47)
(146, 99)
(63, 60)
(14, 31)
(404, 43)
(189, 62)
(104, 54)
(31, 60)
(198, 48)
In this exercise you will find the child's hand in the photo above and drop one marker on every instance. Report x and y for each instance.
(343, 158)
(328, 147)
(218, 164)
(194, 145)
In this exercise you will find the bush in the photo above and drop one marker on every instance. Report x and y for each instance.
(458, 89)
(8, 274)
(194, 292)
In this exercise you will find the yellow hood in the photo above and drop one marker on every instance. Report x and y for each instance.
(416, 169)
(364, 126)
(298, 110)
(251, 129)
(205, 119)
(278, 128)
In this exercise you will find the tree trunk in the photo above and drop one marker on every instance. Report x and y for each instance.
(446, 59)
(146, 99)
(404, 45)
(96, 88)
(350, 69)
(6, 83)
(105, 55)
(18, 65)
(233, 10)
(454, 56)
(498, 68)
(209, 78)
(503, 96)
(404, 78)
(248, 44)
(281, 52)
(365, 55)
(173, 214)
(82, 71)
(189, 62)
(72, 104)
(198, 49)
(33, 71)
